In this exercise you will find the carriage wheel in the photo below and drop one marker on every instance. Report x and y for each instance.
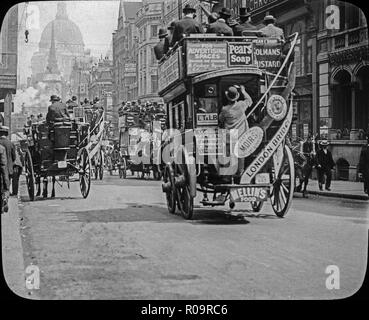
(185, 201)
(156, 173)
(123, 169)
(30, 177)
(84, 173)
(257, 205)
(170, 195)
(101, 166)
(282, 189)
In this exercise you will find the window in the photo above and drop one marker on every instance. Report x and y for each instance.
(154, 84)
(298, 58)
(154, 31)
(153, 58)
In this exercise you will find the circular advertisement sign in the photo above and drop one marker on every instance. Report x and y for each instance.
(248, 142)
(277, 107)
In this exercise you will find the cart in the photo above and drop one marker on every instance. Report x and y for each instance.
(61, 149)
(193, 77)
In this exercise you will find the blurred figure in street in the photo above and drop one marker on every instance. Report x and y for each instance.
(4, 180)
(17, 170)
(364, 165)
(325, 164)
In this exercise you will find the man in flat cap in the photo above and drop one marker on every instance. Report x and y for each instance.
(187, 25)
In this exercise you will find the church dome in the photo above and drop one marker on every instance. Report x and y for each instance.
(67, 33)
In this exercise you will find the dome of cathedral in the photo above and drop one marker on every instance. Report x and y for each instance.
(67, 33)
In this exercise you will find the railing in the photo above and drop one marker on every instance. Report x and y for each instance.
(351, 37)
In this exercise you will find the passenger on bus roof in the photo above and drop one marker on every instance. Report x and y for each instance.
(159, 48)
(57, 111)
(186, 26)
(270, 30)
(220, 27)
(245, 22)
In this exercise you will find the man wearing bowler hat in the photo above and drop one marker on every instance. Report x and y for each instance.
(159, 48)
(325, 164)
(185, 26)
(57, 111)
(270, 30)
(245, 22)
(220, 27)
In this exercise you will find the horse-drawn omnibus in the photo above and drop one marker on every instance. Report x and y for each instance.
(136, 129)
(200, 155)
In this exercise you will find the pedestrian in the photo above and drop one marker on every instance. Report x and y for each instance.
(10, 154)
(245, 23)
(325, 164)
(364, 165)
(220, 27)
(57, 111)
(17, 170)
(187, 25)
(270, 30)
(4, 180)
(308, 150)
(159, 48)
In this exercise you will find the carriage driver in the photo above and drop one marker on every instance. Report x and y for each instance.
(57, 111)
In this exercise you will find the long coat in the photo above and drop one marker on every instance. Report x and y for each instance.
(271, 30)
(364, 162)
(56, 111)
(10, 153)
(186, 25)
(4, 174)
(159, 49)
(220, 27)
(325, 160)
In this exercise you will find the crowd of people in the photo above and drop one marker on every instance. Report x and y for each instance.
(145, 110)
(219, 23)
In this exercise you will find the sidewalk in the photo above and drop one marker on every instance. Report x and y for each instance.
(339, 189)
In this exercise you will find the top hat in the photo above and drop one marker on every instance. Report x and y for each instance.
(225, 12)
(54, 98)
(162, 33)
(188, 8)
(269, 17)
(244, 13)
(232, 94)
(324, 143)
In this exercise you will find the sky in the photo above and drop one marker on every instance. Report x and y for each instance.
(97, 21)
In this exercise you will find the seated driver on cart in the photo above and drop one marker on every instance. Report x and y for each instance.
(57, 111)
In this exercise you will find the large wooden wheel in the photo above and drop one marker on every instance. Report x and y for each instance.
(84, 163)
(283, 185)
(30, 176)
(184, 199)
(171, 192)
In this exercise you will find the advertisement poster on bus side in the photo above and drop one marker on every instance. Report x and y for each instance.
(240, 54)
(206, 56)
(268, 56)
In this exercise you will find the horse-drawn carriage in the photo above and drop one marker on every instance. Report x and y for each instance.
(202, 156)
(138, 130)
(61, 149)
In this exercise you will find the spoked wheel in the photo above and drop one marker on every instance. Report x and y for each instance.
(101, 166)
(257, 205)
(84, 172)
(283, 185)
(156, 173)
(171, 193)
(184, 199)
(30, 177)
(123, 168)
